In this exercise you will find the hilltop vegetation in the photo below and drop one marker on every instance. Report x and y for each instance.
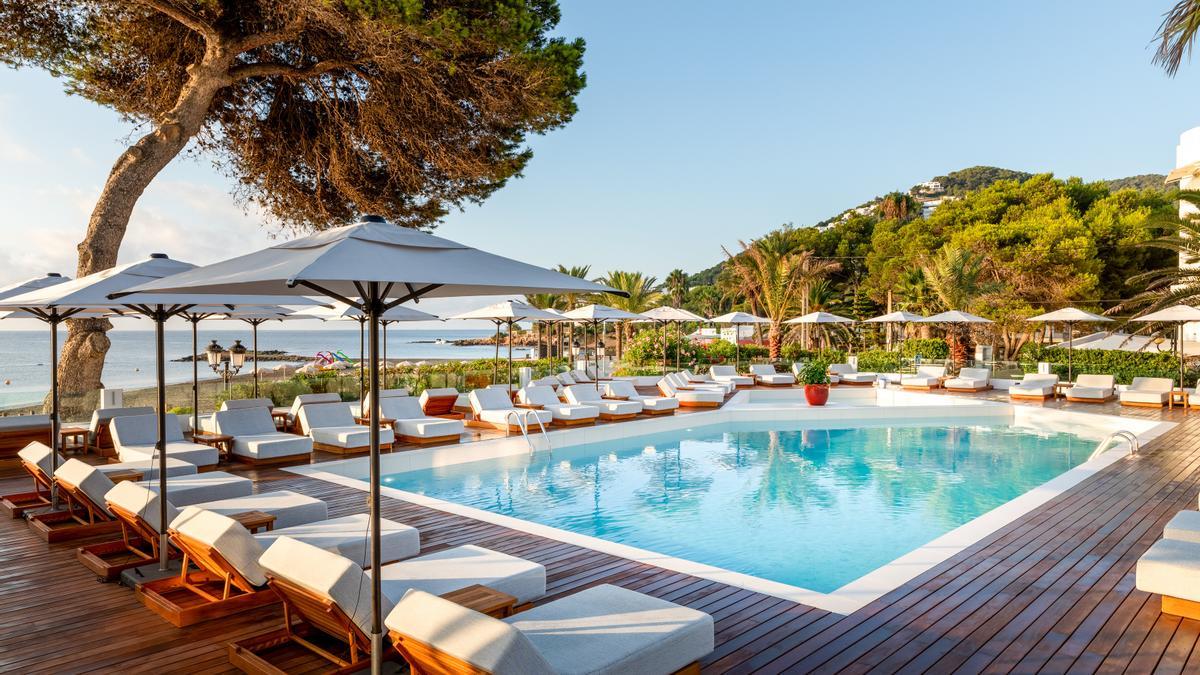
(961, 182)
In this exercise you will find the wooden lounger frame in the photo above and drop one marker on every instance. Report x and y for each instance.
(656, 413)
(1188, 609)
(1030, 397)
(216, 590)
(968, 390)
(441, 406)
(13, 440)
(773, 384)
(18, 503)
(1077, 399)
(303, 614)
(1139, 404)
(137, 546)
(425, 659)
(339, 450)
(917, 387)
(104, 445)
(80, 517)
(423, 440)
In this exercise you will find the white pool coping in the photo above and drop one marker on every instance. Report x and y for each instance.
(848, 407)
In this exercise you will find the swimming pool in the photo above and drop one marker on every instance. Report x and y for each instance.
(798, 503)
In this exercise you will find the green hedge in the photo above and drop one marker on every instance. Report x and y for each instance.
(1120, 364)
(879, 361)
(929, 349)
(793, 352)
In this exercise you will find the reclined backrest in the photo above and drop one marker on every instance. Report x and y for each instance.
(536, 395)
(490, 399)
(306, 399)
(581, 376)
(227, 537)
(488, 644)
(22, 422)
(384, 394)
(566, 379)
(583, 392)
(322, 415)
(140, 501)
(90, 481)
(762, 369)
(1039, 379)
(621, 388)
(1096, 381)
(400, 408)
(931, 371)
(133, 430)
(102, 417)
(324, 574)
(1152, 384)
(38, 454)
(244, 422)
(842, 369)
(723, 371)
(240, 403)
(667, 387)
(438, 401)
(975, 373)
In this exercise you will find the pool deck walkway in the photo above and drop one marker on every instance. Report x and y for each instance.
(1051, 592)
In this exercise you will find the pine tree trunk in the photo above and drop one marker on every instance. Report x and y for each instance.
(83, 352)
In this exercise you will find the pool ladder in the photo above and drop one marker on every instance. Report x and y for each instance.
(522, 419)
(1127, 436)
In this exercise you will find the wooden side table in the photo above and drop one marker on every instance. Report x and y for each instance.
(222, 442)
(1178, 397)
(255, 520)
(280, 417)
(127, 474)
(383, 421)
(483, 600)
(73, 438)
(1060, 389)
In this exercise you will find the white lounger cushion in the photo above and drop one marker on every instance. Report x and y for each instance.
(625, 389)
(309, 399)
(1148, 390)
(545, 397)
(102, 417)
(87, 479)
(135, 437)
(289, 508)
(242, 403)
(23, 422)
(848, 373)
(1184, 526)
(970, 378)
(495, 407)
(1171, 567)
(729, 374)
(668, 388)
(588, 394)
(1035, 385)
(682, 382)
(203, 487)
(926, 376)
(193, 453)
(410, 419)
(255, 436)
(149, 468)
(1096, 387)
(332, 424)
(459, 567)
(324, 573)
(604, 630)
(766, 373)
(384, 394)
(243, 550)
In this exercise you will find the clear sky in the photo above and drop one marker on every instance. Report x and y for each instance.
(703, 123)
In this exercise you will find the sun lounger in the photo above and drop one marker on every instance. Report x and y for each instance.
(135, 437)
(384, 394)
(440, 402)
(255, 438)
(730, 374)
(208, 422)
(651, 405)
(582, 377)
(848, 374)
(1171, 568)
(412, 425)
(17, 431)
(293, 416)
(493, 408)
(565, 379)
(1092, 389)
(331, 594)
(1034, 387)
(766, 375)
(681, 382)
(138, 510)
(1148, 392)
(100, 436)
(1183, 526)
(229, 578)
(588, 395)
(565, 414)
(332, 429)
(926, 377)
(969, 380)
(691, 398)
(603, 630)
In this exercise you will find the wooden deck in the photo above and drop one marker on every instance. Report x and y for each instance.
(1051, 592)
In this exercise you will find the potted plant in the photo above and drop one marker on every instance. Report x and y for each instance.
(816, 382)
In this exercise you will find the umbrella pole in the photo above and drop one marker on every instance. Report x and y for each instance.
(383, 344)
(254, 334)
(508, 382)
(1179, 342)
(737, 349)
(160, 320)
(373, 309)
(496, 360)
(362, 364)
(679, 338)
(1070, 352)
(54, 425)
(195, 321)
(664, 343)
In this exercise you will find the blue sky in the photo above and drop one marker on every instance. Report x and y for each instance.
(703, 123)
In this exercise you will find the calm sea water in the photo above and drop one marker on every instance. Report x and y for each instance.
(815, 508)
(25, 355)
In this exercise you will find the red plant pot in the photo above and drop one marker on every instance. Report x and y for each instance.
(816, 394)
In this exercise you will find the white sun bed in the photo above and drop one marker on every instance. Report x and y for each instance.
(38, 454)
(681, 381)
(208, 422)
(970, 380)
(926, 377)
(1184, 526)
(135, 436)
(1036, 387)
(765, 374)
(564, 413)
(730, 374)
(255, 438)
(582, 377)
(384, 394)
(181, 490)
(99, 435)
(412, 425)
(589, 395)
(848, 374)
(651, 405)
(1089, 388)
(603, 630)
(333, 429)
(293, 416)
(1151, 392)
(495, 408)
(289, 508)
(1171, 568)
(691, 398)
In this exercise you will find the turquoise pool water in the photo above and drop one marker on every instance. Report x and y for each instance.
(815, 508)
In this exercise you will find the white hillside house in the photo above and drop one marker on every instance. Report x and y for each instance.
(1187, 174)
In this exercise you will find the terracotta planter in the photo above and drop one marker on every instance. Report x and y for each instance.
(816, 394)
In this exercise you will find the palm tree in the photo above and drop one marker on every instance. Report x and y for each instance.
(642, 295)
(676, 286)
(956, 277)
(1177, 284)
(574, 300)
(1176, 35)
(545, 301)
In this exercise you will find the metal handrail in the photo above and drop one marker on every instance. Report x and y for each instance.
(522, 419)
(1128, 436)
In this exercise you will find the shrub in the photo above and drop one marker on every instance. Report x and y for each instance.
(929, 349)
(879, 361)
(637, 371)
(646, 347)
(814, 372)
(793, 352)
(1122, 365)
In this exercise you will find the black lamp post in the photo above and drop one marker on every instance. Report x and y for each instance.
(226, 363)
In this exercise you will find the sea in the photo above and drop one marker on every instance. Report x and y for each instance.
(25, 354)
